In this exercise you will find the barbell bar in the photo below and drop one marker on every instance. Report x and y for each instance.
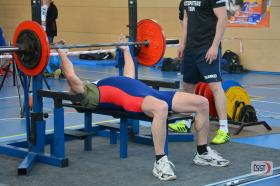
(100, 45)
(117, 44)
(11, 49)
(7, 49)
(31, 48)
(169, 43)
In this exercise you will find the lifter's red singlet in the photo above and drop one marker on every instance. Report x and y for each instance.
(127, 93)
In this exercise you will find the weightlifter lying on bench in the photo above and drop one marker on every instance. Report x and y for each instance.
(134, 96)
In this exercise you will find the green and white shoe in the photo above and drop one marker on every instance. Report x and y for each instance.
(182, 126)
(221, 137)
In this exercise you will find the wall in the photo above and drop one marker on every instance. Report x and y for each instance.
(87, 21)
(261, 50)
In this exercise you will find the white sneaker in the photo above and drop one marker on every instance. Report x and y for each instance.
(163, 169)
(212, 158)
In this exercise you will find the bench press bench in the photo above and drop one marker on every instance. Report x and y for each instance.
(33, 148)
(129, 123)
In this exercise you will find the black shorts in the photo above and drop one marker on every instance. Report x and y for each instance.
(195, 68)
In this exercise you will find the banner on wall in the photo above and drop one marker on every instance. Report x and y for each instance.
(248, 13)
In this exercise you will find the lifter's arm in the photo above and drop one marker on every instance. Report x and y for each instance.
(129, 67)
(74, 82)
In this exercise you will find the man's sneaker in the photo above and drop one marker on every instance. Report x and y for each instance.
(221, 137)
(180, 126)
(163, 169)
(212, 158)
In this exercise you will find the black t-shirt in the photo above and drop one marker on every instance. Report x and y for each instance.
(201, 22)
(52, 14)
(181, 10)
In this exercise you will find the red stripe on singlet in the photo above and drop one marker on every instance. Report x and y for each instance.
(113, 95)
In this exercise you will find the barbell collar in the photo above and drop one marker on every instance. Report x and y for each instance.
(172, 41)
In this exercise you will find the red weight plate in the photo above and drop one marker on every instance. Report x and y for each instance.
(150, 30)
(202, 89)
(45, 49)
(209, 95)
(196, 88)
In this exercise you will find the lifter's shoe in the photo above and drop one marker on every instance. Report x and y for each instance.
(181, 126)
(164, 169)
(212, 158)
(221, 137)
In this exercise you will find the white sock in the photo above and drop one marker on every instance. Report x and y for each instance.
(224, 125)
(188, 123)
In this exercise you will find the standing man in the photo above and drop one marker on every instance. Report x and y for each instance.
(204, 24)
(50, 22)
(44, 10)
(181, 12)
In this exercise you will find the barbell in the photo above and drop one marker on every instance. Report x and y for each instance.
(31, 48)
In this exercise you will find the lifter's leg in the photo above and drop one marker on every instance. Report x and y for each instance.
(183, 102)
(158, 110)
(183, 125)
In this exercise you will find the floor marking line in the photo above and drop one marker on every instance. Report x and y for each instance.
(269, 88)
(11, 97)
(68, 127)
(236, 178)
(261, 110)
(256, 97)
(6, 119)
(50, 114)
(261, 179)
(271, 102)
